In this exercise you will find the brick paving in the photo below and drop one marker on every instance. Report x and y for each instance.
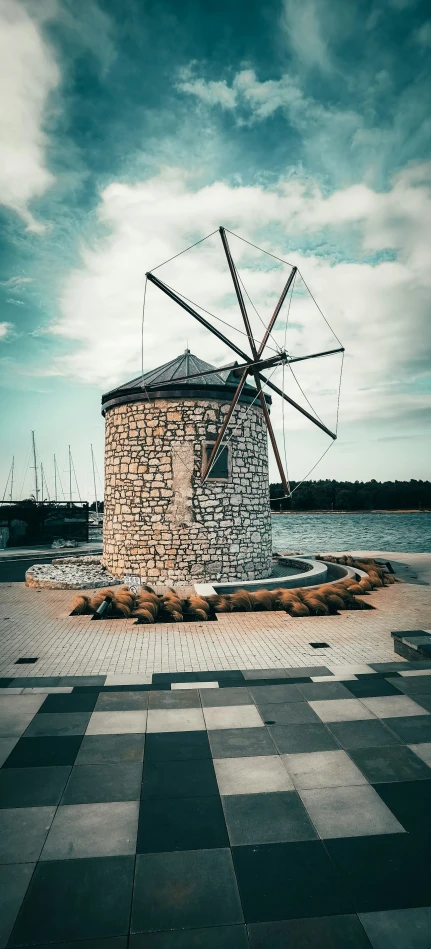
(35, 624)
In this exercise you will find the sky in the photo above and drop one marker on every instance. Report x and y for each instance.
(131, 130)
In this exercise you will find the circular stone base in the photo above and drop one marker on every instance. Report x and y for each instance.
(69, 576)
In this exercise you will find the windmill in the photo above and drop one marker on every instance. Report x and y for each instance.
(254, 363)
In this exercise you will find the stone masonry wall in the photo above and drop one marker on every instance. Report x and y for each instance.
(159, 521)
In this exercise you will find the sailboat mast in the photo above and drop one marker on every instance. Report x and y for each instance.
(55, 480)
(11, 477)
(36, 486)
(94, 480)
(70, 475)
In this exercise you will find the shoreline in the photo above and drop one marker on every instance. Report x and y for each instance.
(373, 511)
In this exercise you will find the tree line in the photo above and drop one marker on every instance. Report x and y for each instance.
(333, 495)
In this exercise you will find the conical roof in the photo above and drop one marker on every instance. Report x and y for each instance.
(180, 378)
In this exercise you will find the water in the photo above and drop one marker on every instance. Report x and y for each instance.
(321, 533)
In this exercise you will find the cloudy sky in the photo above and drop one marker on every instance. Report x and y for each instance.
(132, 129)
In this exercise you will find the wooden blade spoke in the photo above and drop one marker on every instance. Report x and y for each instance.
(274, 316)
(296, 406)
(220, 435)
(272, 437)
(328, 352)
(201, 319)
(238, 291)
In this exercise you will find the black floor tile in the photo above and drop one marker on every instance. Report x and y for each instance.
(76, 899)
(164, 679)
(14, 881)
(410, 801)
(87, 690)
(230, 683)
(423, 699)
(32, 787)
(267, 818)
(399, 928)
(288, 881)
(410, 685)
(60, 724)
(111, 942)
(388, 871)
(107, 689)
(318, 691)
(307, 671)
(271, 681)
(176, 746)
(90, 784)
(5, 682)
(388, 667)
(167, 698)
(23, 833)
(271, 694)
(122, 701)
(69, 702)
(412, 729)
(293, 739)
(363, 734)
(105, 749)
(218, 937)
(35, 682)
(241, 742)
(185, 890)
(393, 763)
(224, 675)
(43, 752)
(365, 688)
(169, 779)
(323, 932)
(187, 823)
(227, 696)
(290, 713)
(78, 681)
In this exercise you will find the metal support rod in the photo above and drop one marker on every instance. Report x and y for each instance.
(70, 476)
(55, 480)
(201, 319)
(238, 291)
(11, 477)
(220, 435)
(297, 407)
(36, 486)
(328, 352)
(94, 480)
(274, 316)
(273, 441)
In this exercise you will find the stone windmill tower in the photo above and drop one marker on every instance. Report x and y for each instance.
(186, 486)
(161, 522)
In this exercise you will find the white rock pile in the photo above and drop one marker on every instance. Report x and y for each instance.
(70, 573)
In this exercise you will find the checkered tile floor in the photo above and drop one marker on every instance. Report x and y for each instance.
(268, 808)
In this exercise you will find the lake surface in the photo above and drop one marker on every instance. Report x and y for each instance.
(320, 533)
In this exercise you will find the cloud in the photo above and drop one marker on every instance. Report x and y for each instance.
(306, 31)
(379, 307)
(212, 93)
(5, 330)
(28, 74)
(423, 35)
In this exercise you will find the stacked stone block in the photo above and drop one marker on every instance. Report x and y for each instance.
(160, 522)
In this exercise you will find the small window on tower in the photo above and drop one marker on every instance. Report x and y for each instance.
(220, 468)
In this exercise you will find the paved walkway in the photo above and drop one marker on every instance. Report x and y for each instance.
(218, 810)
(36, 625)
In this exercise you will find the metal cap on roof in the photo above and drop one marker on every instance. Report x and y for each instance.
(178, 379)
